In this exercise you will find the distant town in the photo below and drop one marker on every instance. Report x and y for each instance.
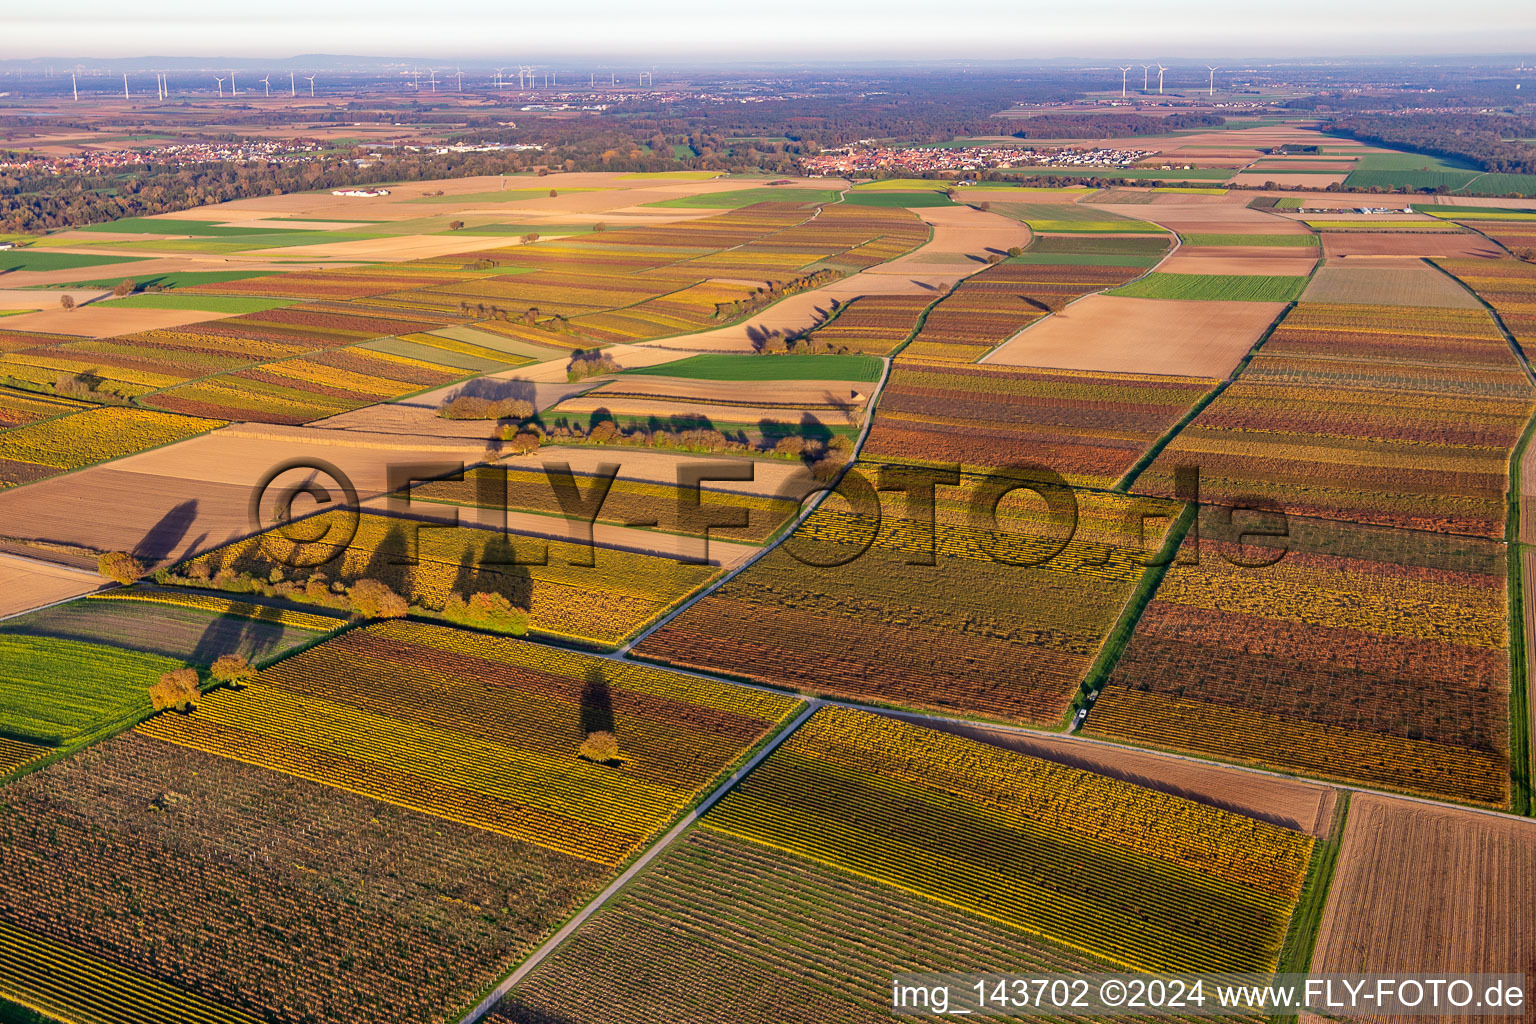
(866, 156)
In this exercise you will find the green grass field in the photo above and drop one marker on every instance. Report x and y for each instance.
(905, 185)
(52, 690)
(28, 259)
(233, 304)
(1215, 287)
(905, 199)
(756, 367)
(748, 196)
(244, 243)
(1198, 240)
(1071, 218)
(1413, 170)
(1501, 184)
(177, 226)
(175, 279)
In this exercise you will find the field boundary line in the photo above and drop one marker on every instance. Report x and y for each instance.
(546, 948)
(1113, 647)
(1520, 747)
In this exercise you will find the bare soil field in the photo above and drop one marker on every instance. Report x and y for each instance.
(103, 320)
(1115, 334)
(25, 584)
(1423, 889)
(1219, 219)
(1387, 283)
(1295, 180)
(1290, 803)
(195, 495)
(1528, 495)
(1357, 244)
(1203, 261)
(17, 298)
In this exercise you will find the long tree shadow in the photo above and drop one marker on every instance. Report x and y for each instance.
(164, 536)
(596, 703)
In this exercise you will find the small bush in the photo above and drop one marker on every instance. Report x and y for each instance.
(470, 407)
(233, 669)
(590, 364)
(120, 567)
(601, 748)
(373, 600)
(487, 611)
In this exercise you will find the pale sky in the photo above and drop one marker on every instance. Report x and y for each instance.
(730, 30)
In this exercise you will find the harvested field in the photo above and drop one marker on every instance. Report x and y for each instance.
(1113, 334)
(102, 320)
(28, 583)
(1387, 283)
(1429, 890)
(1289, 803)
(194, 495)
(1361, 244)
(1283, 180)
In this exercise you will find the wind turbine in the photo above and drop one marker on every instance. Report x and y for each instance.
(233, 89)
(75, 86)
(1211, 91)
(497, 79)
(1123, 72)
(1160, 70)
(311, 80)
(268, 83)
(433, 73)
(125, 85)
(221, 86)
(292, 89)
(460, 74)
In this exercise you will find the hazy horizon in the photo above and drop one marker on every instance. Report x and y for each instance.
(790, 30)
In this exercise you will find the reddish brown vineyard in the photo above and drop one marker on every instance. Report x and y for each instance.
(1365, 654)
(1368, 414)
(1089, 427)
(963, 623)
(296, 903)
